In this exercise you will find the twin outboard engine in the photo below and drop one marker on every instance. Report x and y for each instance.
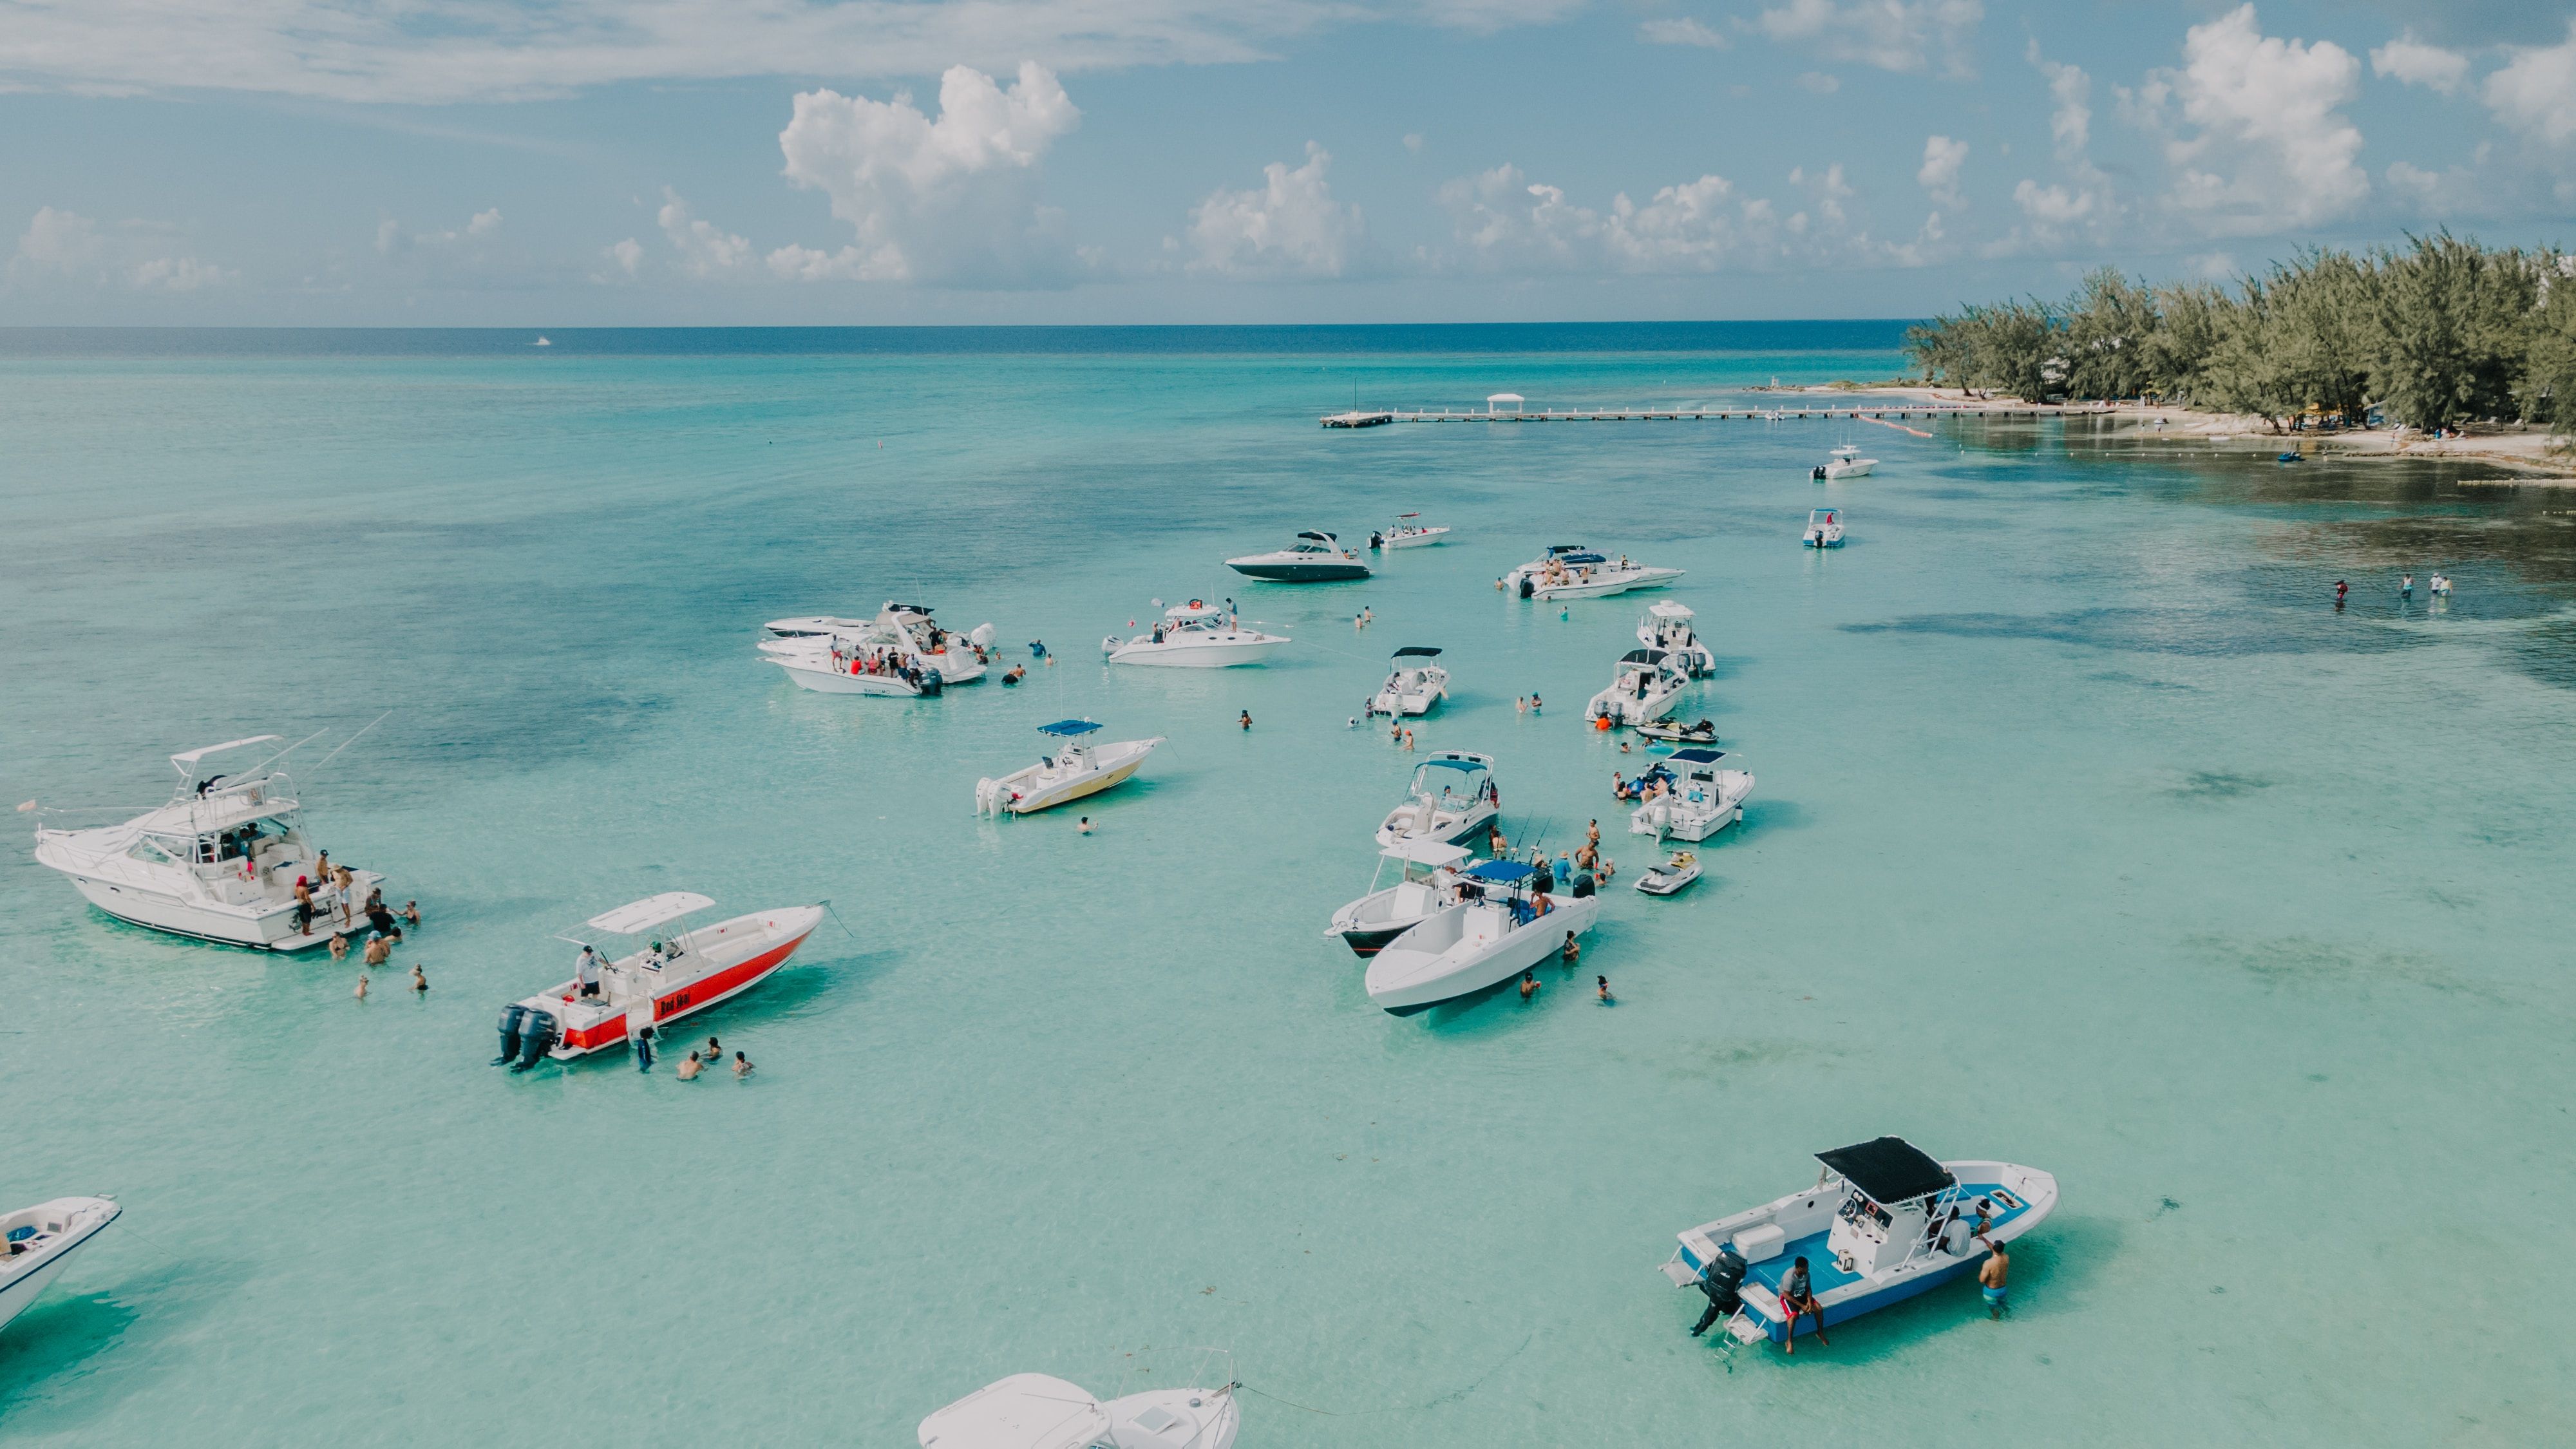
(1529, 586)
(1819, 473)
(930, 683)
(513, 1020)
(536, 1038)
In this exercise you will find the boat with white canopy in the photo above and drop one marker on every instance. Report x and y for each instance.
(1690, 796)
(1452, 798)
(1408, 531)
(1077, 768)
(1195, 635)
(673, 974)
(1413, 686)
(1824, 528)
(1845, 462)
(1506, 924)
(1883, 1223)
(220, 862)
(36, 1241)
(1644, 688)
(1387, 912)
(1041, 1411)
(1667, 626)
(1316, 557)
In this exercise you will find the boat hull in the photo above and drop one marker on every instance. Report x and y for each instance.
(83, 1219)
(824, 680)
(723, 981)
(1300, 573)
(1424, 539)
(1200, 654)
(270, 928)
(1659, 882)
(1404, 981)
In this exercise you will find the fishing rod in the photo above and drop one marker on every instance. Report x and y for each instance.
(353, 739)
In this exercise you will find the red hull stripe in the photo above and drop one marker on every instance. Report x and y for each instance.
(697, 996)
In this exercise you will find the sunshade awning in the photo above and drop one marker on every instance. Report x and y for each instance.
(1697, 757)
(639, 916)
(1669, 609)
(1888, 1169)
(1642, 656)
(1068, 727)
(1433, 853)
(1416, 651)
(1502, 872)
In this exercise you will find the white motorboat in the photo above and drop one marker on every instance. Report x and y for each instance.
(1690, 796)
(675, 975)
(1195, 635)
(1824, 528)
(900, 652)
(1408, 532)
(1846, 462)
(1507, 925)
(937, 647)
(1413, 686)
(1452, 799)
(1040, 1411)
(1667, 626)
(1883, 1223)
(1076, 769)
(1644, 688)
(1669, 878)
(1315, 558)
(1583, 574)
(36, 1241)
(220, 862)
(1367, 924)
(1523, 581)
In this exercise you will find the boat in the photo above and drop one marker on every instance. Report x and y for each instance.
(36, 1241)
(1315, 558)
(1824, 528)
(1694, 797)
(1495, 934)
(1583, 574)
(1669, 878)
(1453, 798)
(1644, 688)
(1524, 580)
(1407, 533)
(1845, 462)
(1702, 733)
(1367, 924)
(219, 862)
(1077, 768)
(1195, 635)
(1413, 686)
(1667, 626)
(1040, 1411)
(905, 630)
(1883, 1223)
(674, 975)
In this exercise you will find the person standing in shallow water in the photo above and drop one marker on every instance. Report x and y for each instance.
(644, 1050)
(2406, 589)
(1991, 1274)
(2341, 589)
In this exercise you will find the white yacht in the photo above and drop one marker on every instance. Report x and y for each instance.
(1076, 769)
(1645, 687)
(1408, 531)
(1523, 581)
(680, 973)
(1883, 1223)
(219, 862)
(1582, 574)
(36, 1241)
(1499, 931)
(1824, 528)
(1452, 798)
(1693, 797)
(903, 629)
(1386, 912)
(1195, 635)
(1315, 558)
(1040, 1411)
(1413, 686)
(1846, 462)
(1667, 626)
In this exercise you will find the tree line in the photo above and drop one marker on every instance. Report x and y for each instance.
(2439, 333)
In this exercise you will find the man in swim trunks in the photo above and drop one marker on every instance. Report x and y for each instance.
(1797, 1297)
(1991, 1274)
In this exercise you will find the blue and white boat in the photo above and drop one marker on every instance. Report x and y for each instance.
(1883, 1223)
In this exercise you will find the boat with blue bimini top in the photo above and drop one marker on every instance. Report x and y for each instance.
(1504, 924)
(1884, 1222)
(1077, 768)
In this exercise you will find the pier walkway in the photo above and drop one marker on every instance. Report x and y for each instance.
(1879, 411)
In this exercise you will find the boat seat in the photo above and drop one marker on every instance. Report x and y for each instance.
(1760, 1244)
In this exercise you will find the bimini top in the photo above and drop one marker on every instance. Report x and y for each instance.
(1416, 651)
(1433, 853)
(1669, 609)
(639, 916)
(1068, 728)
(1697, 757)
(1565, 548)
(894, 608)
(1458, 760)
(1888, 1170)
(190, 757)
(1325, 539)
(1643, 656)
(1582, 558)
(1502, 872)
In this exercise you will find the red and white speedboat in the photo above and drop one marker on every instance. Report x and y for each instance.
(673, 976)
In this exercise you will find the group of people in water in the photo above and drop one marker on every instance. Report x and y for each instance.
(695, 1063)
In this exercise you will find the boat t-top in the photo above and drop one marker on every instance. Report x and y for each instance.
(1040, 1411)
(672, 974)
(1505, 924)
(36, 1241)
(1387, 912)
(1883, 1223)
(1689, 796)
(1644, 688)
(220, 862)
(1413, 686)
(1824, 528)
(1452, 798)
(1846, 462)
(1195, 635)
(1315, 558)
(1077, 768)
(1408, 531)
(1570, 572)
(1667, 626)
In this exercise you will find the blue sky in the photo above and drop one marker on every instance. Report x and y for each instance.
(480, 162)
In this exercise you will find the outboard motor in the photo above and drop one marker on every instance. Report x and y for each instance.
(1529, 587)
(513, 1017)
(1819, 473)
(930, 683)
(536, 1039)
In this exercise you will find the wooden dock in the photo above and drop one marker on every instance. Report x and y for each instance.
(1884, 413)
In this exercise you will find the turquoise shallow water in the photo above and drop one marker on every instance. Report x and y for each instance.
(2087, 835)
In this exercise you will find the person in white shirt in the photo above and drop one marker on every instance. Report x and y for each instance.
(585, 972)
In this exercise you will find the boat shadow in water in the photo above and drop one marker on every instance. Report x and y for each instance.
(73, 1357)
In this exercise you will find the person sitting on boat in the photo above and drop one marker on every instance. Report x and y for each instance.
(1798, 1298)
(1540, 905)
(585, 972)
(1723, 1283)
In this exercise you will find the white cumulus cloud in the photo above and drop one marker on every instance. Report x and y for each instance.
(2273, 149)
(1939, 175)
(1506, 222)
(1680, 30)
(1290, 226)
(1898, 35)
(2419, 64)
(2535, 92)
(706, 250)
(61, 246)
(946, 199)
